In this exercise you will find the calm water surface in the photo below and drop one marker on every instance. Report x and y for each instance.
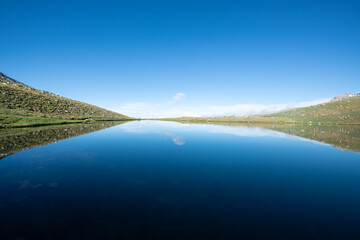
(166, 180)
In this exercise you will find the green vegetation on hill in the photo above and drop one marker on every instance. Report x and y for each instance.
(21, 105)
(342, 111)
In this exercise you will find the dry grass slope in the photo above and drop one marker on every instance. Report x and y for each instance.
(21, 104)
(344, 111)
(341, 111)
(30, 102)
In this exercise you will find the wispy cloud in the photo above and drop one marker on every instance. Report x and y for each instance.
(170, 109)
(177, 98)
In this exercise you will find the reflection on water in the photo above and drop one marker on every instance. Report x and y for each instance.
(343, 137)
(176, 139)
(14, 140)
(346, 138)
(166, 180)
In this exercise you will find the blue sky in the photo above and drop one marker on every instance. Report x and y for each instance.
(220, 57)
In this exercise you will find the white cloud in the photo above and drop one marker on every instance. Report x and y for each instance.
(169, 109)
(177, 98)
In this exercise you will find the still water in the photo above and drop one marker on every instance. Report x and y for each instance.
(167, 180)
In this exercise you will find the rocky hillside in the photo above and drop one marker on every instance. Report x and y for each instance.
(342, 109)
(17, 98)
(344, 96)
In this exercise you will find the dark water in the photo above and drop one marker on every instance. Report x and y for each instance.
(165, 180)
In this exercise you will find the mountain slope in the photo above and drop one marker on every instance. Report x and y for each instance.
(20, 100)
(342, 109)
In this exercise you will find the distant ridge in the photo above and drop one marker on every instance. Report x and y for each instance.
(17, 98)
(344, 109)
(344, 96)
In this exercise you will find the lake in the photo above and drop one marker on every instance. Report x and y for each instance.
(169, 180)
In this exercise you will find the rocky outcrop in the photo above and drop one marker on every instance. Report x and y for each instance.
(344, 96)
(5, 80)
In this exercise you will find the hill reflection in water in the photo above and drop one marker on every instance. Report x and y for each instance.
(18, 139)
(346, 137)
(342, 137)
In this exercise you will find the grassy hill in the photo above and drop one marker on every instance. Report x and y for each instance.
(22, 105)
(340, 111)
(344, 109)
